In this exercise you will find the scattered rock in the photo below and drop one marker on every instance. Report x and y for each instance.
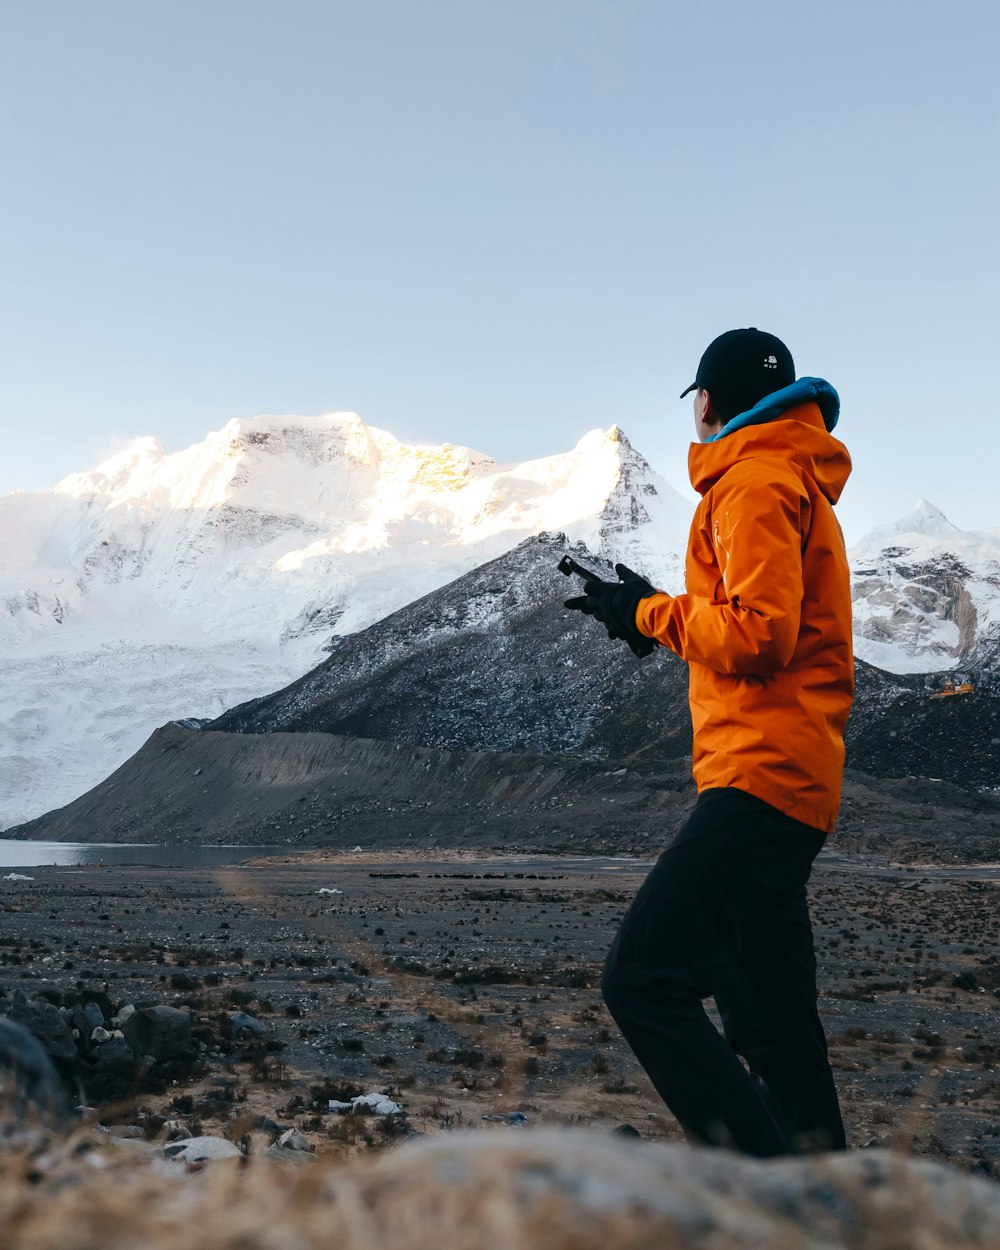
(115, 1052)
(516, 1119)
(243, 1026)
(93, 1017)
(200, 1149)
(406, 963)
(101, 1002)
(376, 1103)
(164, 1033)
(131, 1132)
(294, 1140)
(174, 1130)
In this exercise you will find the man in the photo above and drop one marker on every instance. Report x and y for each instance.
(765, 626)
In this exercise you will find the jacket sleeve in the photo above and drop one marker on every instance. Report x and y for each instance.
(756, 528)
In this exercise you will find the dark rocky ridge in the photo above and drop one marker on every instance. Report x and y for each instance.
(486, 715)
(491, 662)
(494, 662)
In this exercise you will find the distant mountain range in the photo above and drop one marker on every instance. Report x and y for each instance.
(160, 587)
(486, 714)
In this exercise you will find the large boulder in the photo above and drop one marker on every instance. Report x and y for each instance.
(45, 1023)
(163, 1033)
(590, 1191)
(30, 1088)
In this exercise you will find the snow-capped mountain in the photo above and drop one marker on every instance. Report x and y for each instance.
(162, 586)
(926, 595)
(165, 585)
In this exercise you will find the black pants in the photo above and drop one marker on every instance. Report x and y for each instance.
(724, 915)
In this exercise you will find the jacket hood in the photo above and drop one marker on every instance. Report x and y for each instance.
(792, 424)
(778, 403)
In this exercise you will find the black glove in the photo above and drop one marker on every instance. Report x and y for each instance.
(614, 605)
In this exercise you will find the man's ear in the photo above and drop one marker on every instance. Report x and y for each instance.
(706, 410)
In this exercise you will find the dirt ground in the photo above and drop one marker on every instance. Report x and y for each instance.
(469, 988)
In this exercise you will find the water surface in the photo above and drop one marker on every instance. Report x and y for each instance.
(16, 854)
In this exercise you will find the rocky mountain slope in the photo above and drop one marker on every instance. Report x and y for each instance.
(161, 585)
(494, 662)
(326, 790)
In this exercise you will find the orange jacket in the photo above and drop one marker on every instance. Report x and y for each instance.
(765, 623)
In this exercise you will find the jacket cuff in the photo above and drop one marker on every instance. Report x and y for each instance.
(644, 609)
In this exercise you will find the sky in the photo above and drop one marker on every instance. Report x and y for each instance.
(501, 223)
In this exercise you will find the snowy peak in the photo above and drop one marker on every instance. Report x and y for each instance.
(335, 474)
(924, 521)
(238, 461)
(310, 503)
(927, 518)
(926, 594)
(924, 532)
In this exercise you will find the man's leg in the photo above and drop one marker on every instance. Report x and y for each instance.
(767, 996)
(671, 951)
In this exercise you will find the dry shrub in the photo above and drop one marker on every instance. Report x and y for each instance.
(517, 1190)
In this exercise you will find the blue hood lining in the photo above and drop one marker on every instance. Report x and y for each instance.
(775, 405)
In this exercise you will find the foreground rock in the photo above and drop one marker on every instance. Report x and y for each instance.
(582, 1190)
(31, 1092)
(551, 1190)
(78, 1042)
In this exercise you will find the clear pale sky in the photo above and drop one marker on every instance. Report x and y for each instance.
(501, 223)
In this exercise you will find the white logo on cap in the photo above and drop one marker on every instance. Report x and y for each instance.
(771, 362)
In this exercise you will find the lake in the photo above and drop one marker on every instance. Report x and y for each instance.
(15, 854)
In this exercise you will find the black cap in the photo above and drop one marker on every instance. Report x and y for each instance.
(740, 367)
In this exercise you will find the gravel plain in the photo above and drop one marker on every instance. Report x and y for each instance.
(467, 989)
